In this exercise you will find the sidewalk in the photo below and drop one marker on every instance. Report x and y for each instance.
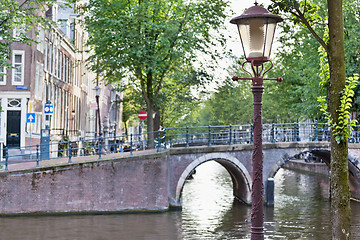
(76, 159)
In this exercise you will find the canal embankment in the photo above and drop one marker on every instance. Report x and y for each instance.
(309, 167)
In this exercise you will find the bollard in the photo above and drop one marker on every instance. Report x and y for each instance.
(270, 192)
(37, 155)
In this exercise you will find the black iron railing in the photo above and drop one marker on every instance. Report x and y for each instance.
(170, 138)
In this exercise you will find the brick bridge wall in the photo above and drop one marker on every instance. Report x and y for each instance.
(150, 182)
(131, 184)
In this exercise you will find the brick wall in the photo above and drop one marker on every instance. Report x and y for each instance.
(106, 186)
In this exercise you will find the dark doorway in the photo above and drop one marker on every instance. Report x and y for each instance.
(13, 128)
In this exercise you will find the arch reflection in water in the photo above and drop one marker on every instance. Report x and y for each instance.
(209, 208)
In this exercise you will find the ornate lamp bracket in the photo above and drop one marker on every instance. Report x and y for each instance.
(257, 72)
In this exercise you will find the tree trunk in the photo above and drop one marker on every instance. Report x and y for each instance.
(150, 126)
(339, 179)
(156, 123)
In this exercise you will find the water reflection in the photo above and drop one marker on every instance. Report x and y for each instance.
(92, 227)
(209, 209)
(301, 211)
(301, 206)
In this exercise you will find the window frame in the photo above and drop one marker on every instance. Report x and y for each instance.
(3, 74)
(14, 53)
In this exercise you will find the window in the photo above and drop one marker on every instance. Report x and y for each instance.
(50, 58)
(39, 75)
(19, 32)
(18, 64)
(2, 75)
(66, 78)
(46, 55)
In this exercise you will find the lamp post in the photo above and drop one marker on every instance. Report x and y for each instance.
(97, 95)
(257, 28)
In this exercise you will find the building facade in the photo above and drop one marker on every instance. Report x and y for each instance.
(54, 70)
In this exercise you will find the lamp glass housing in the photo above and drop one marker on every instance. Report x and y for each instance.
(257, 35)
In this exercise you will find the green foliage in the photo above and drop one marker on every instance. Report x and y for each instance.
(23, 17)
(342, 128)
(131, 101)
(298, 64)
(151, 42)
(324, 65)
(231, 103)
(176, 99)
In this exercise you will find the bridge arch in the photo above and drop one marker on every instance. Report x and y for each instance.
(239, 174)
(279, 164)
(353, 165)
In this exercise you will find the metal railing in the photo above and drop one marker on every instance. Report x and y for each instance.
(170, 138)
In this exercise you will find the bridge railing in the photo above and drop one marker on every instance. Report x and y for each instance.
(169, 138)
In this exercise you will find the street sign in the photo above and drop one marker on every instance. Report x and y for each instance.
(142, 115)
(30, 117)
(49, 109)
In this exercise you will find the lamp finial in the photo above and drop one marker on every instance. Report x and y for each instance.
(256, 3)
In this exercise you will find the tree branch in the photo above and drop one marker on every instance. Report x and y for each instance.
(302, 17)
(7, 18)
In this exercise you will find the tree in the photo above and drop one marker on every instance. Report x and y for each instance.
(297, 62)
(177, 98)
(151, 40)
(131, 101)
(305, 13)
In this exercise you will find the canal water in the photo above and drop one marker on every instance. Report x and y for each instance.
(209, 211)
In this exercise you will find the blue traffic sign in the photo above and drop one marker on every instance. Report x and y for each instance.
(48, 109)
(30, 117)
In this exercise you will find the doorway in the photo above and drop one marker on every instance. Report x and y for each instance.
(13, 128)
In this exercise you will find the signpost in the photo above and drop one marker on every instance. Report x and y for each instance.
(45, 133)
(142, 116)
(30, 118)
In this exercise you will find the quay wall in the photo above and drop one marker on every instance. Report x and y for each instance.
(116, 185)
(319, 168)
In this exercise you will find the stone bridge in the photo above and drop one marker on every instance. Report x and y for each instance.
(147, 182)
(236, 159)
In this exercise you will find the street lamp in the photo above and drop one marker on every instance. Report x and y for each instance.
(257, 29)
(97, 95)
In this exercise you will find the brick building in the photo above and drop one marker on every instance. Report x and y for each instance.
(54, 69)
